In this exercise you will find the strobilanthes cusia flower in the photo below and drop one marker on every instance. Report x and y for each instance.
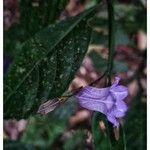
(109, 100)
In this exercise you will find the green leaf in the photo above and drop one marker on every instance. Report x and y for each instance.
(104, 139)
(46, 65)
(13, 39)
(101, 138)
(34, 16)
(38, 14)
(16, 145)
(101, 63)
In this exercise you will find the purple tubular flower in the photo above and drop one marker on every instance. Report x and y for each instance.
(108, 101)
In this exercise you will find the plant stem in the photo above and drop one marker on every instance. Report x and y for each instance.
(111, 44)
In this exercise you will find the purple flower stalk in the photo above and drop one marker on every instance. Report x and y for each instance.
(108, 101)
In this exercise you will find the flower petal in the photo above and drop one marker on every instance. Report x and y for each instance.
(117, 113)
(119, 92)
(121, 106)
(113, 120)
(108, 101)
(93, 92)
(92, 104)
(94, 99)
(117, 79)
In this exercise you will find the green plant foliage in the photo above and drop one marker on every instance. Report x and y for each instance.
(37, 14)
(132, 17)
(101, 139)
(105, 139)
(34, 16)
(13, 38)
(121, 36)
(16, 145)
(101, 63)
(135, 124)
(76, 141)
(100, 37)
(46, 65)
(42, 131)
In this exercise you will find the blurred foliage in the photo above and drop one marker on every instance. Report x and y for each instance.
(16, 145)
(131, 17)
(42, 131)
(76, 141)
(104, 137)
(135, 124)
(100, 35)
(101, 63)
(101, 138)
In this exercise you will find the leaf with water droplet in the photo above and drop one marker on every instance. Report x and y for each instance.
(49, 63)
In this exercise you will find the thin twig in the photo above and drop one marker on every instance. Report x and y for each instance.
(75, 91)
(98, 79)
